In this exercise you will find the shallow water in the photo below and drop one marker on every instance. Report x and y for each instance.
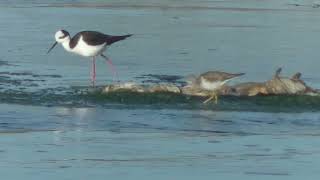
(52, 125)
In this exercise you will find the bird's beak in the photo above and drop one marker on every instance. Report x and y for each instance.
(52, 47)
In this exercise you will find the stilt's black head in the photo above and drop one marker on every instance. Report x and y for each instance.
(60, 36)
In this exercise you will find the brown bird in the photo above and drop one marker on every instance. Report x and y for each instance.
(214, 80)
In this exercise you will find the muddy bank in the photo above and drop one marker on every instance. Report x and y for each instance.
(277, 85)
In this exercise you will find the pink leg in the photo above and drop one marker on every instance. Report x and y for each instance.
(112, 67)
(93, 78)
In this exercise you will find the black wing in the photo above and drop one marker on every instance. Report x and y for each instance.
(112, 39)
(90, 37)
(96, 38)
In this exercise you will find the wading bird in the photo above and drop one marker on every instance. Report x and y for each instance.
(213, 81)
(88, 44)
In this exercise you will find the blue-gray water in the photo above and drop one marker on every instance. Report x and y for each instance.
(50, 129)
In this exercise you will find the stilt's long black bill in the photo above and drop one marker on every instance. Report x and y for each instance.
(52, 47)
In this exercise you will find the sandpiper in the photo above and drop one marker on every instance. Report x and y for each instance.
(213, 80)
(88, 44)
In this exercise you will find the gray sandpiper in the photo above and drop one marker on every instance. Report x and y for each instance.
(213, 81)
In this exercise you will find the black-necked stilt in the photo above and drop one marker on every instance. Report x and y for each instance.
(88, 44)
(213, 80)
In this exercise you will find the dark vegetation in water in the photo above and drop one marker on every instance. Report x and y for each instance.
(7, 81)
(4, 63)
(130, 100)
(315, 5)
(226, 103)
(23, 79)
(161, 78)
(14, 89)
(26, 73)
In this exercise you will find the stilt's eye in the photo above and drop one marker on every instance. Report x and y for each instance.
(65, 35)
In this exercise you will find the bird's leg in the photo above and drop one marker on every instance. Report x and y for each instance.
(213, 96)
(93, 73)
(208, 100)
(114, 72)
(216, 98)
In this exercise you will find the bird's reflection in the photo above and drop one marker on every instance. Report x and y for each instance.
(72, 119)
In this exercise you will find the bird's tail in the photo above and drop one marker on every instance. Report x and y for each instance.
(239, 74)
(232, 76)
(112, 39)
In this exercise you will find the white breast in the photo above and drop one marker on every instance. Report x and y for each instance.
(83, 49)
(207, 85)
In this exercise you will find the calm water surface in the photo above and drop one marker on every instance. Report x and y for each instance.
(48, 130)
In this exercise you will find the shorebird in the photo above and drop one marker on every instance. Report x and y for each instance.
(88, 44)
(213, 81)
